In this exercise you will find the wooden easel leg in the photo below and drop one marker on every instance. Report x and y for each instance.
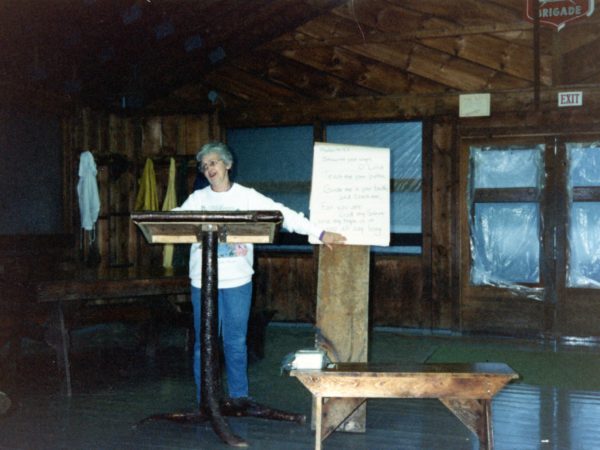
(476, 415)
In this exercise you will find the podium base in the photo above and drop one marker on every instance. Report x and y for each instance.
(232, 408)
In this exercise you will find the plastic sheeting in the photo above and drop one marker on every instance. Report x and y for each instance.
(505, 236)
(280, 158)
(584, 217)
(404, 139)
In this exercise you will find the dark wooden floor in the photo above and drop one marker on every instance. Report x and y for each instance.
(115, 385)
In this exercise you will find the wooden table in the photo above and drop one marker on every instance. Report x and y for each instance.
(465, 389)
(85, 284)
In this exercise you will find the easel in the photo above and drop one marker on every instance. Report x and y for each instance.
(210, 228)
(342, 322)
(358, 207)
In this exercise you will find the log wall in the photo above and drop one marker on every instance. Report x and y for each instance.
(121, 146)
(287, 283)
(413, 291)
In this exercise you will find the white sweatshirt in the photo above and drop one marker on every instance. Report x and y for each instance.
(235, 261)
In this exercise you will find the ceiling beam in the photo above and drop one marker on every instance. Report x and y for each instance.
(406, 107)
(390, 38)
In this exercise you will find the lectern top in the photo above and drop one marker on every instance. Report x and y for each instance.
(186, 227)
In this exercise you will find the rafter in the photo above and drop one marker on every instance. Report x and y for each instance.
(392, 38)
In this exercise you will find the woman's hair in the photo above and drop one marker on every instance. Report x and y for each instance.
(216, 147)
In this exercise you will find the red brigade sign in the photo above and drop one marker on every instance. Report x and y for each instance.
(557, 13)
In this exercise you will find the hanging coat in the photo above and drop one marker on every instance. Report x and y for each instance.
(147, 198)
(169, 203)
(87, 190)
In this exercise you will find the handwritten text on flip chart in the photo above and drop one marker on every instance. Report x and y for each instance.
(350, 192)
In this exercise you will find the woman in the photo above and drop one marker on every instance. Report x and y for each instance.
(235, 261)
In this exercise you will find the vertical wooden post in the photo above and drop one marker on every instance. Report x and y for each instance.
(342, 317)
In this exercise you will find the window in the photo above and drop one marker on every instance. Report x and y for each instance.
(405, 141)
(277, 161)
(505, 192)
(31, 179)
(583, 191)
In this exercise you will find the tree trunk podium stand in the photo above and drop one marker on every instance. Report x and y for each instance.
(209, 228)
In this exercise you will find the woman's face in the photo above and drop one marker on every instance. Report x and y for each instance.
(216, 172)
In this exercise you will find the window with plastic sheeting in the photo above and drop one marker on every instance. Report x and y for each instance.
(405, 141)
(584, 215)
(505, 186)
(277, 161)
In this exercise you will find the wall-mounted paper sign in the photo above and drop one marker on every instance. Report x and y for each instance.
(350, 192)
(474, 105)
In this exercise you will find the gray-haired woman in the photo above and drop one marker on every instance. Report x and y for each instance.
(235, 261)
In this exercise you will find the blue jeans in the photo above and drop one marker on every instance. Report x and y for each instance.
(234, 311)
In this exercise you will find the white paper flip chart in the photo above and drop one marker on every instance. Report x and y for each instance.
(350, 192)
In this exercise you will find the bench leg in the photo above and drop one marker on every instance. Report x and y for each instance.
(318, 422)
(329, 415)
(476, 415)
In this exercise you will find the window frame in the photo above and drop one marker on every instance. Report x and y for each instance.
(286, 242)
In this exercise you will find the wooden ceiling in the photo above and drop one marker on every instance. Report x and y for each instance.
(190, 55)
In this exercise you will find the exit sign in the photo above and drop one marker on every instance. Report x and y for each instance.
(570, 98)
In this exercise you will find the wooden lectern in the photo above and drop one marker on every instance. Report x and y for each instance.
(210, 228)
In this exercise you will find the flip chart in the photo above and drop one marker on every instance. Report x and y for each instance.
(350, 192)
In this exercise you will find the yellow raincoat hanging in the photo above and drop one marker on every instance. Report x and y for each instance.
(147, 198)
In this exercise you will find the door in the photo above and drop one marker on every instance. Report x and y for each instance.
(578, 308)
(530, 244)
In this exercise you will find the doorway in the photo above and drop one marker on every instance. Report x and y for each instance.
(530, 235)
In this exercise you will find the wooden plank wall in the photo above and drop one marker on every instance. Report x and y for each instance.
(126, 143)
(443, 206)
(412, 291)
(426, 291)
(285, 282)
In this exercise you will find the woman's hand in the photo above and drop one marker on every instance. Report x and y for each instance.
(329, 238)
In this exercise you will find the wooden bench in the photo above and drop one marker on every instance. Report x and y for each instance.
(101, 286)
(465, 389)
